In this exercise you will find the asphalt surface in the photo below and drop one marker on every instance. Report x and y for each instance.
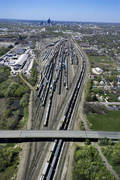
(50, 134)
(105, 103)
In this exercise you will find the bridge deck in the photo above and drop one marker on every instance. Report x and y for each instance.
(34, 135)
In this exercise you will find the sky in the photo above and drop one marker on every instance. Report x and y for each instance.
(70, 10)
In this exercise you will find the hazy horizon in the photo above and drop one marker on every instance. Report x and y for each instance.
(53, 20)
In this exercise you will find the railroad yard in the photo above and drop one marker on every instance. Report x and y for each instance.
(58, 82)
(59, 90)
(54, 106)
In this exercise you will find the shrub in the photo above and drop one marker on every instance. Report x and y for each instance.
(88, 165)
(20, 91)
(7, 157)
(11, 89)
(7, 113)
(24, 100)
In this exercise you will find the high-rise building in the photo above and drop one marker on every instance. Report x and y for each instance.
(49, 21)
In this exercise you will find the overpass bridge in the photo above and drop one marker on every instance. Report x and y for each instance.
(19, 136)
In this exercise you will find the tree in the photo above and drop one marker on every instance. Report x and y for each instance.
(116, 153)
(88, 165)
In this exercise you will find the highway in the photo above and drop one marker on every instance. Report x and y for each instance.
(50, 135)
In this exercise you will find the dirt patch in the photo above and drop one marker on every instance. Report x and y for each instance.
(95, 108)
(25, 146)
(5, 44)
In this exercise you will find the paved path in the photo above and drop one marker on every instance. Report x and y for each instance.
(25, 146)
(26, 82)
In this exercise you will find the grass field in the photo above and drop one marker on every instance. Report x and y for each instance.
(99, 58)
(101, 61)
(105, 122)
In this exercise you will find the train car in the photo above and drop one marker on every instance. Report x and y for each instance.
(50, 156)
(46, 93)
(42, 177)
(47, 114)
(40, 90)
(77, 60)
(54, 160)
(45, 170)
(64, 83)
(62, 122)
(54, 145)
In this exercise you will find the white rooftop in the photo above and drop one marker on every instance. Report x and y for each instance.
(97, 70)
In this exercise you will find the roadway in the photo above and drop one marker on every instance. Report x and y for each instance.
(105, 103)
(50, 135)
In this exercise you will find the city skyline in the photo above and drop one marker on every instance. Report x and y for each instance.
(69, 10)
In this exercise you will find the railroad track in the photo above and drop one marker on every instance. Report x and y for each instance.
(43, 115)
(51, 164)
